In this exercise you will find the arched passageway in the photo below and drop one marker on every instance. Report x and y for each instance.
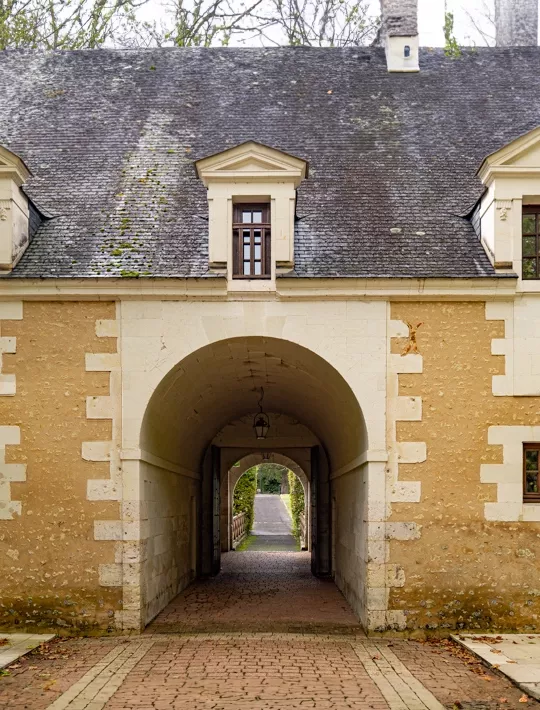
(234, 474)
(199, 423)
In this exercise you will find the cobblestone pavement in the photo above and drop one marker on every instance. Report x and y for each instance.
(337, 667)
(255, 671)
(259, 591)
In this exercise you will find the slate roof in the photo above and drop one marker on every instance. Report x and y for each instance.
(111, 137)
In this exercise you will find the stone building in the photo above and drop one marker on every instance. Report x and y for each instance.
(350, 235)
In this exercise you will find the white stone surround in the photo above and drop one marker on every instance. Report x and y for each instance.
(520, 346)
(11, 310)
(400, 408)
(125, 532)
(508, 475)
(9, 435)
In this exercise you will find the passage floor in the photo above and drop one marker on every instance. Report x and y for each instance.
(259, 591)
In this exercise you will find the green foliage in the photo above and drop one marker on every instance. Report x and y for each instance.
(244, 496)
(297, 501)
(451, 46)
(269, 477)
(63, 24)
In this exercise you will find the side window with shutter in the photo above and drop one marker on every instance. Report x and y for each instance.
(251, 241)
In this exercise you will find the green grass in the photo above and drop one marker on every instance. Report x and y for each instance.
(246, 542)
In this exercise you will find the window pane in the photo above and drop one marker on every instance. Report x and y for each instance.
(529, 268)
(246, 217)
(531, 460)
(529, 246)
(257, 268)
(246, 234)
(257, 233)
(246, 268)
(529, 224)
(247, 252)
(258, 251)
(257, 217)
(531, 485)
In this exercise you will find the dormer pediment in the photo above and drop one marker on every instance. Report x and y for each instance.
(11, 166)
(521, 157)
(252, 162)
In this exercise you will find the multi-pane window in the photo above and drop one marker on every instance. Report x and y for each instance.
(251, 241)
(531, 472)
(531, 242)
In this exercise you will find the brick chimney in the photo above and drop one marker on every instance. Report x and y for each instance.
(516, 23)
(399, 34)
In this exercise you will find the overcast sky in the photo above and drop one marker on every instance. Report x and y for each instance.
(430, 17)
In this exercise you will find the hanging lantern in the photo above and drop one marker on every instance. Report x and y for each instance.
(261, 422)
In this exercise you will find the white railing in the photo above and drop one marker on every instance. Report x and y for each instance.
(238, 529)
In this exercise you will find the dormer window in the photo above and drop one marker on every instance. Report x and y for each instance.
(251, 241)
(531, 242)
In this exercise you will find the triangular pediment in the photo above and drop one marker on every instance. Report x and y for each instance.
(520, 156)
(252, 162)
(13, 166)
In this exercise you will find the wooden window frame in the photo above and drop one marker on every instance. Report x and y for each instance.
(530, 497)
(239, 228)
(529, 210)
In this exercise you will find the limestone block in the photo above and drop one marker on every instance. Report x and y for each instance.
(7, 385)
(411, 451)
(11, 310)
(110, 575)
(8, 345)
(102, 362)
(14, 472)
(97, 450)
(397, 329)
(377, 598)
(402, 531)
(375, 620)
(9, 509)
(396, 620)
(395, 576)
(408, 409)
(406, 364)
(103, 489)
(108, 530)
(504, 512)
(128, 620)
(10, 435)
(406, 492)
(376, 575)
(100, 407)
(531, 513)
(107, 328)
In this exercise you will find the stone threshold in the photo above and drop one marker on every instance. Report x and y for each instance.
(517, 656)
(20, 644)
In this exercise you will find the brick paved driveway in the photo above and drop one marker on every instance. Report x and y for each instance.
(337, 667)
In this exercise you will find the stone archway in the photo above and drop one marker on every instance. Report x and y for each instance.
(189, 429)
(235, 473)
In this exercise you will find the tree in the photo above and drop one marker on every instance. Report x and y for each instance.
(269, 477)
(197, 23)
(244, 496)
(482, 20)
(297, 502)
(64, 24)
(318, 23)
